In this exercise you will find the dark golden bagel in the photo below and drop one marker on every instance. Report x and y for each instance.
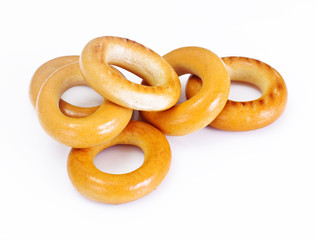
(121, 188)
(249, 115)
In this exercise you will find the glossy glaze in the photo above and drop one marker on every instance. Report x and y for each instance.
(100, 53)
(120, 188)
(249, 115)
(201, 109)
(107, 122)
(41, 75)
(44, 71)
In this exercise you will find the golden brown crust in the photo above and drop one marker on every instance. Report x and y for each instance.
(249, 115)
(200, 110)
(120, 188)
(91, 130)
(107, 122)
(41, 75)
(100, 53)
(44, 71)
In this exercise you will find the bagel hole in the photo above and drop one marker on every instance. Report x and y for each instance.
(82, 96)
(183, 80)
(242, 91)
(119, 159)
(129, 75)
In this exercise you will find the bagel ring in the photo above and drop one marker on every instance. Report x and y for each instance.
(249, 115)
(41, 75)
(44, 71)
(107, 122)
(119, 188)
(201, 109)
(100, 53)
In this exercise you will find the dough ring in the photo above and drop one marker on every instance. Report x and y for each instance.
(120, 188)
(41, 75)
(44, 71)
(107, 122)
(201, 109)
(249, 115)
(100, 53)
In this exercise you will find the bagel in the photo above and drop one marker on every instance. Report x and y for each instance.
(100, 53)
(44, 71)
(41, 75)
(201, 109)
(248, 115)
(120, 188)
(107, 122)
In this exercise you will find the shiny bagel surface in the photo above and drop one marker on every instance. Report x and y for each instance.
(248, 115)
(120, 188)
(201, 109)
(105, 123)
(100, 53)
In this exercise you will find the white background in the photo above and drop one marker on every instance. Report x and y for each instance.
(221, 185)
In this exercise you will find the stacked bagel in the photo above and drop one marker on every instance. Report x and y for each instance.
(90, 130)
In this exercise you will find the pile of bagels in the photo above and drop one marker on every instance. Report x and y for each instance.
(88, 131)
